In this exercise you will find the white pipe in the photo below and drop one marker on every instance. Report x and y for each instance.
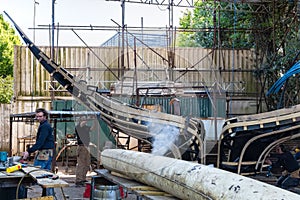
(187, 180)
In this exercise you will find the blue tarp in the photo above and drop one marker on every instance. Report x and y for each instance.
(279, 83)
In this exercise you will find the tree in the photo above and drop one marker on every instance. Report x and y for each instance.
(211, 26)
(273, 35)
(6, 89)
(280, 43)
(8, 39)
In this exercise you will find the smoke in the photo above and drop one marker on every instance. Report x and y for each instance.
(164, 137)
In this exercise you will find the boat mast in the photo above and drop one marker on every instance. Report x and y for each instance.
(123, 38)
(52, 50)
(171, 42)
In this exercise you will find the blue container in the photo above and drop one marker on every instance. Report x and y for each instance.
(3, 156)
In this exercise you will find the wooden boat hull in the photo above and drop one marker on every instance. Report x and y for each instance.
(245, 141)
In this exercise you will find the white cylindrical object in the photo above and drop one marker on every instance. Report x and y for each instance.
(187, 180)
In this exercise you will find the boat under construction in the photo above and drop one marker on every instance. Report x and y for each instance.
(242, 145)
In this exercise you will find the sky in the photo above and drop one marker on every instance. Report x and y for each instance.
(83, 13)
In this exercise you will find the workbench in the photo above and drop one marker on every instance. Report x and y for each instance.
(141, 190)
(9, 183)
(27, 176)
(46, 182)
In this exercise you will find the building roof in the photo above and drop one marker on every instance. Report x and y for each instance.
(151, 39)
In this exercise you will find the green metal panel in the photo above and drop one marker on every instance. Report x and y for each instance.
(98, 137)
(200, 107)
(221, 107)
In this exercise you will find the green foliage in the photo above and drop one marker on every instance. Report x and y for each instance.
(6, 89)
(186, 38)
(280, 43)
(273, 35)
(7, 41)
(209, 27)
(279, 63)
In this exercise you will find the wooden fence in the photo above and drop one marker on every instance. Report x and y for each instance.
(5, 110)
(231, 70)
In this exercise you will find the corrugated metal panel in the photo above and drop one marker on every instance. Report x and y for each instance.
(64, 128)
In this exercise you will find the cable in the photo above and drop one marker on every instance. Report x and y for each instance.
(19, 184)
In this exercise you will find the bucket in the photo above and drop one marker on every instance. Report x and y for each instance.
(104, 189)
(87, 192)
(107, 192)
(3, 156)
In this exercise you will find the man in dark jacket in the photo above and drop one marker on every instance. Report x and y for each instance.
(44, 145)
(285, 159)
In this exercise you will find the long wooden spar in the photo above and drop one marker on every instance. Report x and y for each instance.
(188, 180)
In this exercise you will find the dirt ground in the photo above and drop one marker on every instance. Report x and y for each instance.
(72, 192)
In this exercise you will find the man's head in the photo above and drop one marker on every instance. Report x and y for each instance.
(82, 120)
(41, 114)
(280, 149)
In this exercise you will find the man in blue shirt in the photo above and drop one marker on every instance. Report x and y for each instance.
(44, 145)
